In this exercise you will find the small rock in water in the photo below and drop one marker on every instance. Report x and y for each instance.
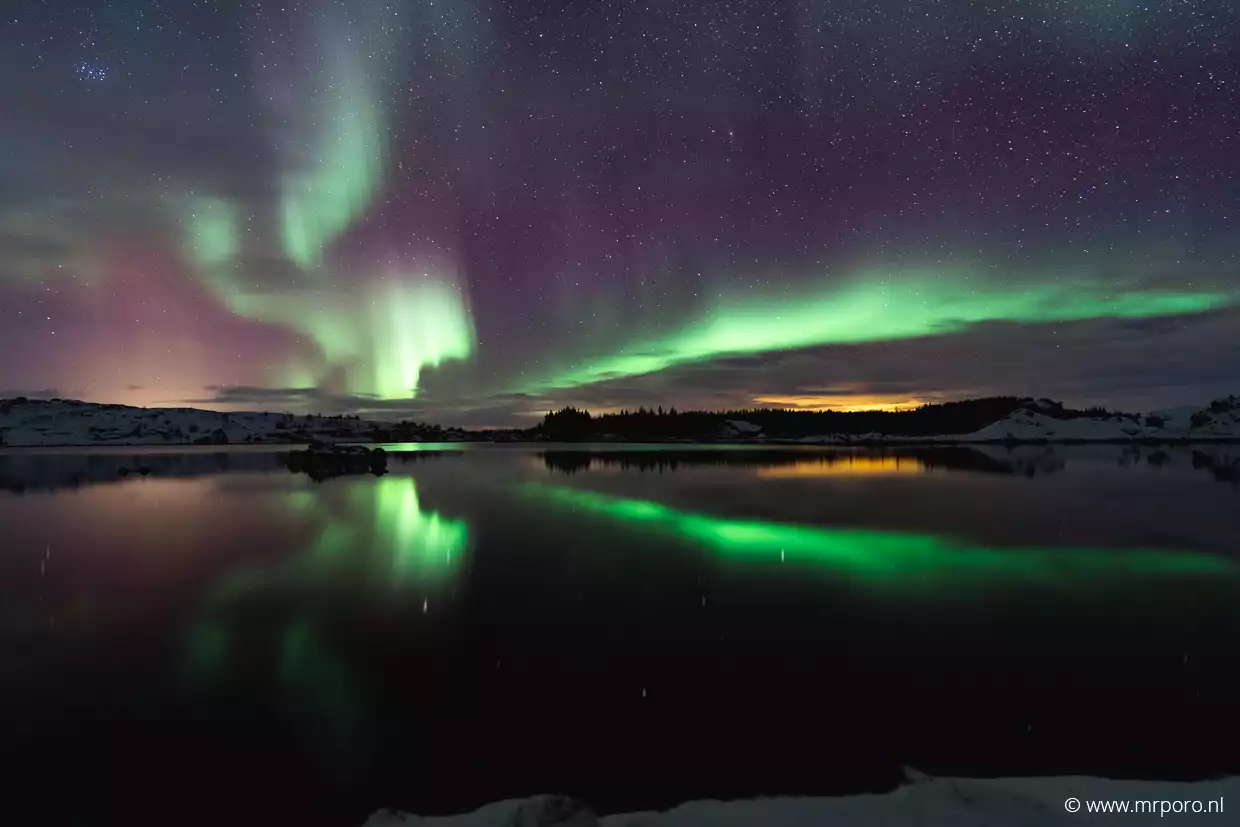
(325, 462)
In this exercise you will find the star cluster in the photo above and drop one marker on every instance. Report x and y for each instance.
(474, 211)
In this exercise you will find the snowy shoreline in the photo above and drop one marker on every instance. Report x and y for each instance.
(69, 423)
(926, 802)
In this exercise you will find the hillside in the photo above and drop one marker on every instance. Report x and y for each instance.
(68, 422)
(31, 422)
(1040, 421)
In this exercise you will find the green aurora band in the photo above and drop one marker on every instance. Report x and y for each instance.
(876, 307)
(346, 141)
(385, 335)
(882, 557)
(375, 338)
(380, 337)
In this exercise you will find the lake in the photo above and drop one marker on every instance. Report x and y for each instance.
(632, 625)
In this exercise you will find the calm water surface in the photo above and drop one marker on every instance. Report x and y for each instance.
(634, 627)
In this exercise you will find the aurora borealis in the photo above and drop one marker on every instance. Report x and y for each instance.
(471, 212)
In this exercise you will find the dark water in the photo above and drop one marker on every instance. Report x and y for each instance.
(224, 638)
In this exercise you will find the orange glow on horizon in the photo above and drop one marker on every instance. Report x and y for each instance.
(843, 404)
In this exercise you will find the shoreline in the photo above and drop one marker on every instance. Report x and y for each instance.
(807, 442)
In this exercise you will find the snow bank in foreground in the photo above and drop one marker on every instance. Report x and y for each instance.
(938, 802)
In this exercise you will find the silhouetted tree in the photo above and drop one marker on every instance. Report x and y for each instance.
(568, 423)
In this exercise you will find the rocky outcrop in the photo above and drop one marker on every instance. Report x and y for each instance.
(325, 463)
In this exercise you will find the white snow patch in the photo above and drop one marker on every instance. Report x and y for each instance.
(1219, 420)
(1032, 423)
(926, 802)
(739, 429)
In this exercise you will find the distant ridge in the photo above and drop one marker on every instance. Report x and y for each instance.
(66, 422)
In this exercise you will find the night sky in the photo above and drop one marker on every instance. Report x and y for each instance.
(472, 212)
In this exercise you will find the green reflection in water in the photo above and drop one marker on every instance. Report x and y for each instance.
(303, 500)
(370, 537)
(903, 558)
(426, 548)
(377, 531)
(318, 679)
(208, 647)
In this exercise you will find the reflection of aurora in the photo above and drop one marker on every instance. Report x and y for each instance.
(382, 533)
(896, 558)
(382, 536)
(426, 548)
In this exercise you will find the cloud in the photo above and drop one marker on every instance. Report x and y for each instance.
(1120, 363)
(502, 410)
(46, 393)
(26, 246)
(29, 256)
(299, 400)
(1169, 361)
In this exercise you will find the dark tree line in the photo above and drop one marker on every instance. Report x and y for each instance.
(407, 431)
(945, 418)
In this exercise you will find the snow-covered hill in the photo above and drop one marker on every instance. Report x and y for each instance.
(37, 422)
(1219, 420)
(1043, 421)
(937, 802)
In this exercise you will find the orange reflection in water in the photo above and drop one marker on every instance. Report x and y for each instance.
(845, 465)
(138, 533)
(110, 553)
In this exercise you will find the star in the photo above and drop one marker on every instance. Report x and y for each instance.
(387, 203)
(92, 72)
